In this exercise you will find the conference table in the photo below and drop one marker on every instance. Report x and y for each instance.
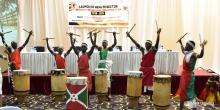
(166, 62)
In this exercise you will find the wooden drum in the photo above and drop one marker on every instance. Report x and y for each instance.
(101, 84)
(21, 84)
(101, 81)
(58, 84)
(162, 90)
(134, 87)
(77, 93)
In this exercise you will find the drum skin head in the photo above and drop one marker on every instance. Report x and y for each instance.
(77, 80)
(162, 76)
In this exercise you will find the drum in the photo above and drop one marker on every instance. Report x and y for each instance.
(77, 93)
(101, 84)
(108, 66)
(101, 80)
(21, 84)
(4, 62)
(134, 87)
(1, 80)
(58, 84)
(162, 90)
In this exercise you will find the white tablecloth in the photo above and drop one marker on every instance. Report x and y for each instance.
(43, 62)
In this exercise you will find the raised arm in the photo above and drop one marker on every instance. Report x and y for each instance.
(95, 35)
(68, 52)
(135, 42)
(158, 38)
(48, 47)
(73, 45)
(202, 50)
(93, 46)
(3, 40)
(27, 40)
(181, 45)
(114, 44)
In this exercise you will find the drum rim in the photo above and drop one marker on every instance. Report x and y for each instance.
(134, 72)
(80, 77)
(58, 70)
(21, 70)
(163, 76)
(103, 69)
(161, 106)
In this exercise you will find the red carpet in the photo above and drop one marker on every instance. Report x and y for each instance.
(40, 84)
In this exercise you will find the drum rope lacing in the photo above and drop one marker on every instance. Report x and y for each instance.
(74, 97)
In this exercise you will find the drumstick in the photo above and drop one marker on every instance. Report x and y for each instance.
(132, 28)
(27, 31)
(181, 37)
(200, 38)
(97, 32)
(156, 24)
(111, 32)
(48, 38)
(92, 30)
(73, 34)
(7, 32)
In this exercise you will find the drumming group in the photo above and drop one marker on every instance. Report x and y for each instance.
(76, 89)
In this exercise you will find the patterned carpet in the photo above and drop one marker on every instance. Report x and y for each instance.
(118, 102)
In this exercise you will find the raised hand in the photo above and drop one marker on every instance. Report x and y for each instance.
(47, 38)
(31, 32)
(95, 34)
(1, 34)
(71, 35)
(179, 41)
(128, 34)
(203, 43)
(202, 50)
(74, 41)
(114, 33)
(90, 34)
(158, 31)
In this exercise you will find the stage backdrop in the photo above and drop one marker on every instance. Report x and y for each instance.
(98, 13)
(176, 17)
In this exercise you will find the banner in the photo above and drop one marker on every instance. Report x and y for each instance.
(98, 13)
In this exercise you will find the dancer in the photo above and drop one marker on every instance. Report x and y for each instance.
(186, 88)
(60, 56)
(83, 59)
(14, 52)
(147, 63)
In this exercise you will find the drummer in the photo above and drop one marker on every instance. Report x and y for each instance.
(147, 63)
(187, 79)
(103, 53)
(210, 92)
(14, 52)
(59, 56)
(83, 61)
